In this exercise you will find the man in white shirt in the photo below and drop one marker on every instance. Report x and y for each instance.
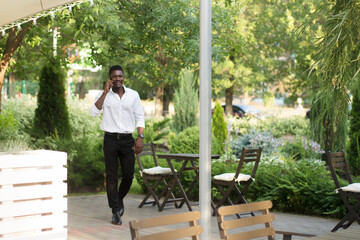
(122, 109)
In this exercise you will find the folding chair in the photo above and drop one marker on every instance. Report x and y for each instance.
(339, 168)
(230, 180)
(248, 228)
(154, 177)
(183, 225)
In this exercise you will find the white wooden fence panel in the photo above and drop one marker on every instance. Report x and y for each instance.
(32, 192)
(32, 223)
(33, 159)
(32, 207)
(32, 176)
(32, 195)
(53, 235)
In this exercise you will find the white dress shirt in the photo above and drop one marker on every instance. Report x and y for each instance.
(120, 114)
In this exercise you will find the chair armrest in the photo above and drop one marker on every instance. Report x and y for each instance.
(288, 235)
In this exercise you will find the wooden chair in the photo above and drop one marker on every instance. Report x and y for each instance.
(339, 169)
(231, 180)
(250, 227)
(154, 177)
(177, 231)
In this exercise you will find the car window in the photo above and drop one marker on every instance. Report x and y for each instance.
(236, 109)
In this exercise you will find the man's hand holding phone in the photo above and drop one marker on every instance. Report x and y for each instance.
(108, 85)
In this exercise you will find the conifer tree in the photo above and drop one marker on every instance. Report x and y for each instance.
(51, 115)
(354, 134)
(186, 102)
(218, 125)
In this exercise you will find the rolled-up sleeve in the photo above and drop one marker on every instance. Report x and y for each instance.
(139, 113)
(94, 111)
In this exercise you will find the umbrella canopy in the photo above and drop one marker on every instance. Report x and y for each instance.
(12, 11)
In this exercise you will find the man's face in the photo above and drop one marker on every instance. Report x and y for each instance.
(117, 78)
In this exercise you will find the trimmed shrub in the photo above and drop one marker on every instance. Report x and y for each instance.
(51, 114)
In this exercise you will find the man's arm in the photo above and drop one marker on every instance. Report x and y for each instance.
(139, 141)
(100, 102)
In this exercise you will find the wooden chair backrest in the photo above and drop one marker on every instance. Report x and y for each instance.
(148, 150)
(158, 224)
(249, 155)
(265, 230)
(338, 167)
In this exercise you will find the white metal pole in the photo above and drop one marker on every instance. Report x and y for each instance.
(205, 118)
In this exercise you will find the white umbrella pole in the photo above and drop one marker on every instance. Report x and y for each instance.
(205, 118)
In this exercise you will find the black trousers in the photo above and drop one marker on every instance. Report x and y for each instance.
(118, 148)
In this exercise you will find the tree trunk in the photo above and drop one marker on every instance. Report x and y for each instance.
(12, 85)
(166, 100)
(158, 101)
(229, 92)
(13, 42)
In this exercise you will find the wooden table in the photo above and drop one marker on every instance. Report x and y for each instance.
(347, 234)
(185, 157)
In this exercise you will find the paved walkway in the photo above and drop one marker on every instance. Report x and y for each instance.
(89, 218)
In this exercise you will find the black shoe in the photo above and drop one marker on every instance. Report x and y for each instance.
(121, 211)
(116, 219)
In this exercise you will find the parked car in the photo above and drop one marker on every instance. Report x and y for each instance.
(244, 110)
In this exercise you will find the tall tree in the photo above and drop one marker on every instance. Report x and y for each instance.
(13, 41)
(337, 68)
(165, 34)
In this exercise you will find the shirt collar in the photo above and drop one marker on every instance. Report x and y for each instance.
(125, 90)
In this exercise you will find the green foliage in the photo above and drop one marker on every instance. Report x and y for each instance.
(278, 127)
(303, 186)
(354, 134)
(337, 68)
(156, 131)
(302, 148)
(186, 102)
(218, 125)
(255, 139)
(86, 166)
(329, 119)
(23, 110)
(188, 142)
(85, 163)
(8, 125)
(51, 114)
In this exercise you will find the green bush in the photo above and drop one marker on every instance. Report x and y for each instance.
(188, 142)
(157, 131)
(303, 186)
(23, 110)
(51, 114)
(255, 139)
(278, 127)
(85, 160)
(218, 125)
(9, 125)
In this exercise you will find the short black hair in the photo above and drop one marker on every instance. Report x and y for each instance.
(115, 67)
